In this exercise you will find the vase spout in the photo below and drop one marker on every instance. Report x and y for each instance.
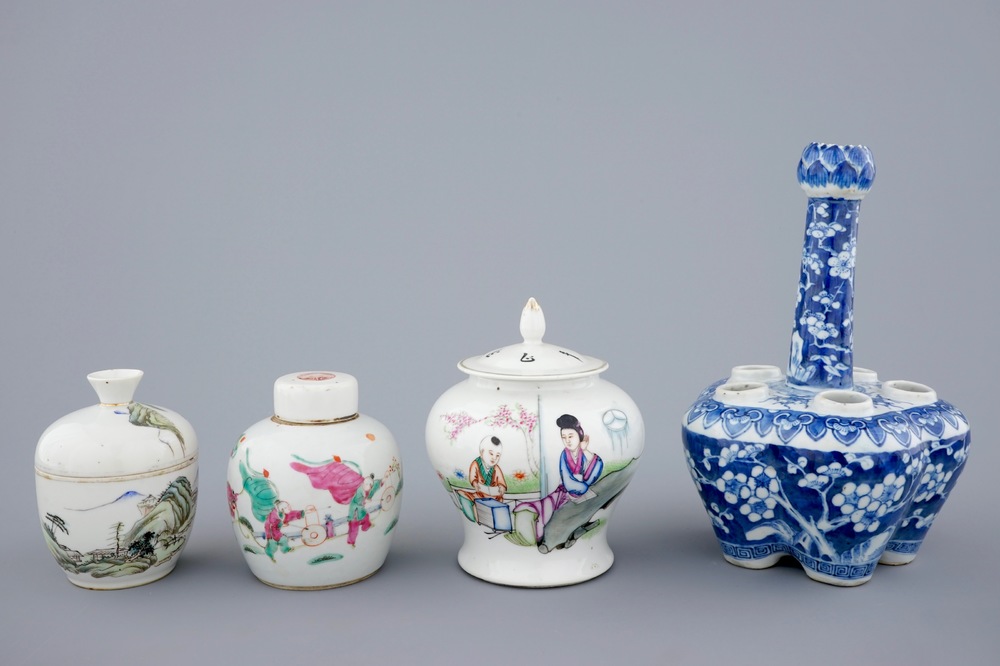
(836, 178)
(115, 387)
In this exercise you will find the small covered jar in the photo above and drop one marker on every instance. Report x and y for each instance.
(116, 486)
(314, 490)
(533, 449)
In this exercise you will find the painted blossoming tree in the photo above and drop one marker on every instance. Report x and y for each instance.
(822, 341)
(504, 416)
(757, 492)
(824, 329)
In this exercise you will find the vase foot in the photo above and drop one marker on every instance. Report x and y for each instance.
(522, 566)
(895, 559)
(819, 576)
(820, 570)
(759, 563)
(122, 582)
(307, 588)
(834, 580)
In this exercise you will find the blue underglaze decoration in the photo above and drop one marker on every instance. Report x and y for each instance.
(844, 176)
(740, 551)
(867, 176)
(906, 426)
(847, 167)
(737, 421)
(832, 156)
(836, 492)
(821, 354)
(835, 512)
(815, 175)
(809, 155)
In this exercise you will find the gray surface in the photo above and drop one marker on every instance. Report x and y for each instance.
(220, 195)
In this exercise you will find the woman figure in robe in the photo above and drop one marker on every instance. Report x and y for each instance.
(578, 470)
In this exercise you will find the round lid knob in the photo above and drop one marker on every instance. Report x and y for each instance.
(315, 397)
(532, 359)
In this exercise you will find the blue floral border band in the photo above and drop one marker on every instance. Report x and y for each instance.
(907, 427)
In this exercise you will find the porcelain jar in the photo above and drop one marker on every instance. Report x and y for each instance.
(314, 491)
(116, 485)
(824, 462)
(533, 449)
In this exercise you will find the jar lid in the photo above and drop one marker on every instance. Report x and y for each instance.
(119, 438)
(315, 397)
(532, 359)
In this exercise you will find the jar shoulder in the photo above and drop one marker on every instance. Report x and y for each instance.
(104, 440)
(270, 442)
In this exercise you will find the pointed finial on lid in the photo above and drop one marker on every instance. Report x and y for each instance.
(532, 322)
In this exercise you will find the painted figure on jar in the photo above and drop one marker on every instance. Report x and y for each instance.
(278, 517)
(266, 508)
(485, 474)
(357, 514)
(578, 471)
(346, 484)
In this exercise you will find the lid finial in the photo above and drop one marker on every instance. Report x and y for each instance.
(532, 322)
(532, 360)
(115, 387)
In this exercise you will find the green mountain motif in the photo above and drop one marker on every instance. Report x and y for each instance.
(152, 540)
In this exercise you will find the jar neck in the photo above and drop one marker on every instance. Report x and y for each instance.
(821, 355)
(319, 422)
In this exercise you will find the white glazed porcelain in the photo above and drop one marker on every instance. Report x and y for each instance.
(314, 490)
(116, 485)
(533, 449)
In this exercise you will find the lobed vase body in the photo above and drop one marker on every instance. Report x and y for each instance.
(534, 462)
(116, 485)
(837, 482)
(824, 462)
(314, 491)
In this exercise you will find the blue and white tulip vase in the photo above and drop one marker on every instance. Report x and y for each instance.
(824, 462)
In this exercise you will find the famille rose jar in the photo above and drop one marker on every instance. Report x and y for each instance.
(824, 462)
(116, 486)
(314, 490)
(533, 449)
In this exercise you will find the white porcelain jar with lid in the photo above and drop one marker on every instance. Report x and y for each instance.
(314, 490)
(116, 485)
(533, 449)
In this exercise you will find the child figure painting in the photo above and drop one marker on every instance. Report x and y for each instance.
(485, 474)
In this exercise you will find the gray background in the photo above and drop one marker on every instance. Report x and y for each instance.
(222, 194)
